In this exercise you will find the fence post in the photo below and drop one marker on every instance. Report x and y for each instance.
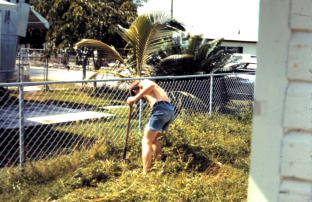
(44, 71)
(46, 78)
(140, 115)
(21, 128)
(210, 94)
(19, 66)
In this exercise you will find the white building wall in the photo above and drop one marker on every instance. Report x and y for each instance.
(281, 158)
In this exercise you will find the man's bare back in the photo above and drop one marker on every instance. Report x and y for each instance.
(151, 92)
(157, 94)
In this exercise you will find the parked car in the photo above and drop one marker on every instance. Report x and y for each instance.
(243, 62)
(240, 86)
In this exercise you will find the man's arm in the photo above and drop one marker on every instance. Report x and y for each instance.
(146, 86)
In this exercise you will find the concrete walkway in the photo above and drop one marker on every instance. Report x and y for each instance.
(42, 114)
(56, 74)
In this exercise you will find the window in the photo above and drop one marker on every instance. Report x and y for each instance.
(231, 49)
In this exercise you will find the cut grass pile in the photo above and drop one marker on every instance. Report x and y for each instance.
(206, 158)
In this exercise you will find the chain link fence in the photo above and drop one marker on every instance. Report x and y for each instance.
(32, 65)
(69, 61)
(44, 119)
(36, 58)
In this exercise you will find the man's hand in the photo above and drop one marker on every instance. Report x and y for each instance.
(131, 100)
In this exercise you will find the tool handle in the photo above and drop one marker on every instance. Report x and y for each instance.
(127, 134)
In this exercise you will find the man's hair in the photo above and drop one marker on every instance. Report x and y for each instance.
(134, 86)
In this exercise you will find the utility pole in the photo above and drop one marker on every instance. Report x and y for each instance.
(171, 8)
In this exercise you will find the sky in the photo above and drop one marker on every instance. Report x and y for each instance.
(231, 19)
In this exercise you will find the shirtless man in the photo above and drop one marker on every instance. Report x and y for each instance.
(161, 116)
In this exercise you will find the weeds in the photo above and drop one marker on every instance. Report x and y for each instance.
(205, 158)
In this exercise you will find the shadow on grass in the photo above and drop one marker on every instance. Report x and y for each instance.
(41, 142)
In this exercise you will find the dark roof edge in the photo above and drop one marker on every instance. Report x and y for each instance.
(232, 40)
(227, 40)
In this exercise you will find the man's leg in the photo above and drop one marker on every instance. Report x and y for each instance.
(157, 147)
(147, 148)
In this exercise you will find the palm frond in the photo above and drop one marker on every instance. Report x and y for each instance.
(176, 25)
(183, 98)
(175, 65)
(105, 73)
(193, 44)
(129, 35)
(95, 75)
(213, 58)
(225, 59)
(105, 50)
(223, 67)
(205, 50)
(147, 35)
(180, 63)
(177, 57)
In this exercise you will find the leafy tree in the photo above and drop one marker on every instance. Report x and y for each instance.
(200, 55)
(72, 20)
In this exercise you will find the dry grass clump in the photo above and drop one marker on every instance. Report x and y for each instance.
(205, 158)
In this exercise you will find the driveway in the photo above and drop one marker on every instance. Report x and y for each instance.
(54, 74)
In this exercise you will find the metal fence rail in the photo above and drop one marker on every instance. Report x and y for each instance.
(36, 123)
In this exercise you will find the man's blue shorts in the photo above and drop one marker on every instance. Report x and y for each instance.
(162, 115)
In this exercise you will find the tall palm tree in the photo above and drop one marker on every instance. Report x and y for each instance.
(146, 36)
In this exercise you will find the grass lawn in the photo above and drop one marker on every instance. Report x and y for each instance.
(205, 158)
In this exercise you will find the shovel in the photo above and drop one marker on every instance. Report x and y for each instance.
(126, 138)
